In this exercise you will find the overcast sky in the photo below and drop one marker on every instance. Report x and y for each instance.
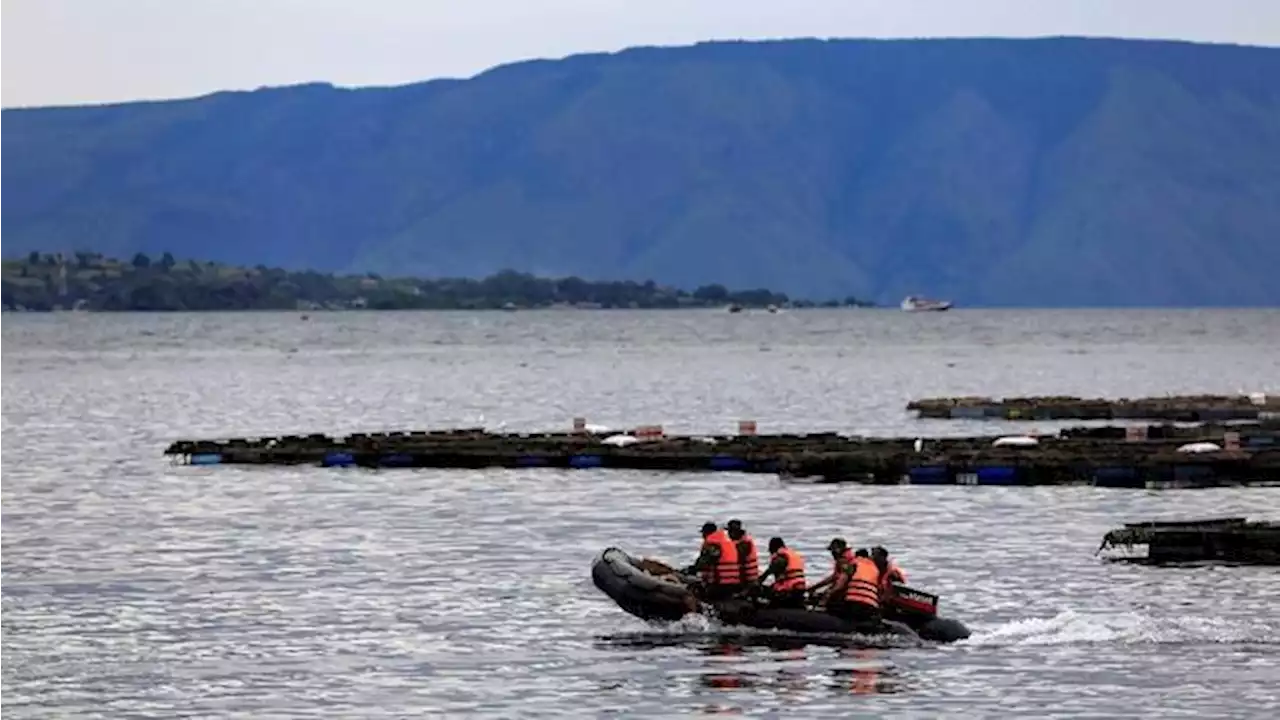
(58, 52)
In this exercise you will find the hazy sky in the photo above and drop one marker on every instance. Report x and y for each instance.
(79, 51)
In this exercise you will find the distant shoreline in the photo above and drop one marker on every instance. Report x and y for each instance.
(6, 310)
(91, 282)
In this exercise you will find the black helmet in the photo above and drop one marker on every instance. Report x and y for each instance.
(734, 524)
(708, 528)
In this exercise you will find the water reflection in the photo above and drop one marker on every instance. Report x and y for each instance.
(725, 676)
(869, 673)
(729, 669)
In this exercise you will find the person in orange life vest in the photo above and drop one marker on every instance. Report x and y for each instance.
(717, 564)
(840, 553)
(746, 551)
(786, 566)
(890, 573)
(856, 595)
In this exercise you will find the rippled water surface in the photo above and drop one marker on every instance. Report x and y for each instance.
(134, 588)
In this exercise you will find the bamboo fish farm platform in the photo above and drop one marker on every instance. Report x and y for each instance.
(1231, 540)
(1186, 408)
(1156, 457)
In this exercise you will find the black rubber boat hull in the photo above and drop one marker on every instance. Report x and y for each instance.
(805, 621)
(646, 596)
(656, 599)
(943, 630)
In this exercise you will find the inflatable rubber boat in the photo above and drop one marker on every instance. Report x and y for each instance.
(654, 591)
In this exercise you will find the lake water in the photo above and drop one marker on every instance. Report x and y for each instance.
(135, 588)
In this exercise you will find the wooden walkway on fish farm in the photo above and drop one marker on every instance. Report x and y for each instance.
(1161, 456)
(1186, 408)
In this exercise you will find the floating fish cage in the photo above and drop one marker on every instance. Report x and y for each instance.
(1224, 540)
(1185, 458)
(1185, 408)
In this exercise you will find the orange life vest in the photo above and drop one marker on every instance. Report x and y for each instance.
(863, 582)
(726, 571)
(747, 556)
(792, 577)
(892, 574)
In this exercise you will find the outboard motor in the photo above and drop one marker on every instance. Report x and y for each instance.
(904, 602)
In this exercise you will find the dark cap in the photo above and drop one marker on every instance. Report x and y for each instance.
(734, 524)
(708, 528)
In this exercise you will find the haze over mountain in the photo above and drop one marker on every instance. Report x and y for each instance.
(1025, 172)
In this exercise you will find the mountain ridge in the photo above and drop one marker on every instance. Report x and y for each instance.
(1067, 171)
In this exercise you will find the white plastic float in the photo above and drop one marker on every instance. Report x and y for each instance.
(1200, 447)
(1015, 441)
(620, 440)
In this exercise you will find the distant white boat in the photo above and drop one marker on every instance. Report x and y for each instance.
(913, 303)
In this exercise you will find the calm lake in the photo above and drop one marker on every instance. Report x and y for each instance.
(136, 588)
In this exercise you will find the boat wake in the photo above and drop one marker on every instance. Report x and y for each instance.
(1064, 629)
(1072, 628)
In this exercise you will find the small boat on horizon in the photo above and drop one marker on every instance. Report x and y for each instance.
(915, 303)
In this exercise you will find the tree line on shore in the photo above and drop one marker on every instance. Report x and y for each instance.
(92, 281)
